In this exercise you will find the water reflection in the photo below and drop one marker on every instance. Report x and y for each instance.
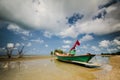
(47, 69)
(8, 66)
(103, 61)
(105, 66)
(100, 59)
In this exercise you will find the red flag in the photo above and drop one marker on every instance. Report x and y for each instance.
(76, 43)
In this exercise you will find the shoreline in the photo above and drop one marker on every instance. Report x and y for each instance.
(24, 58)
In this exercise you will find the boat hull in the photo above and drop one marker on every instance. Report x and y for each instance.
(81, 58)
(84, 58)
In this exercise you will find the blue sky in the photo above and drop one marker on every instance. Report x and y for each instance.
(43, 26)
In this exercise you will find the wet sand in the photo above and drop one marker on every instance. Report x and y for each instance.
(2, 59)
(47, 68)
(113, 73)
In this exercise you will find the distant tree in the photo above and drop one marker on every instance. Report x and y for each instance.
(59, 51)
(9, 49)
(51, 53)
(116, 53)
(20, 52)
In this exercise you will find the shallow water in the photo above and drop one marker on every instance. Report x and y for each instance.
(46, 69)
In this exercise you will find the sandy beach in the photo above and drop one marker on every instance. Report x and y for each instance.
(48, 68)
(24, 58)
(113, 73)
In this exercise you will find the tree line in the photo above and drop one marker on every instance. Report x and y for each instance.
(116, 53)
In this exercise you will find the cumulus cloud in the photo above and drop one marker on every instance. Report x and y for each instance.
(110, 9)
(46, 45)
(29, 44)
(24, 13)
(111, 45)
(95, 48)
(116, 42)
(51, 16)
(107, 43)
(10, 45)
(47, 34)
(37, 40)
(66, 46)
(18, 30)
(86, 38)
(104, 43)
(98, 27)
(84, 47)
(67, 41)
(112, 50)
(69, 32)
(17, 44)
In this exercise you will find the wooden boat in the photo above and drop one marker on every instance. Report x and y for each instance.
(81, 58)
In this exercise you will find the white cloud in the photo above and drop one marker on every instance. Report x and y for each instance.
(47, 34)
(110, 50)
(24, 37)
(37, 40)
(110, 9)
(29, 44)
(98, 27)
(18, 30)
(51, 16)
(67, 41)
(66, 46)
(17, 44)
(95, 48)
(69, 32)
(86, 38)
(22, 44)
(104, 43)
(84, 47)
(110, 45)
(46, 45)
(45, 15)
(118, 47)
(10, 45)
(116, 42)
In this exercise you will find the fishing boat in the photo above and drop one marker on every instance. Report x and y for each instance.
(82, 58)
(70, 57)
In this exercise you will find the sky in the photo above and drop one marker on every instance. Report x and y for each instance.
(45, 25)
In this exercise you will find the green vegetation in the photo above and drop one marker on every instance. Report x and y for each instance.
(117, 53)
(56, 50)
(59, 51)
(51, 53)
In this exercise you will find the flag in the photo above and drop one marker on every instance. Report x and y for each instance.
(76, 43)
